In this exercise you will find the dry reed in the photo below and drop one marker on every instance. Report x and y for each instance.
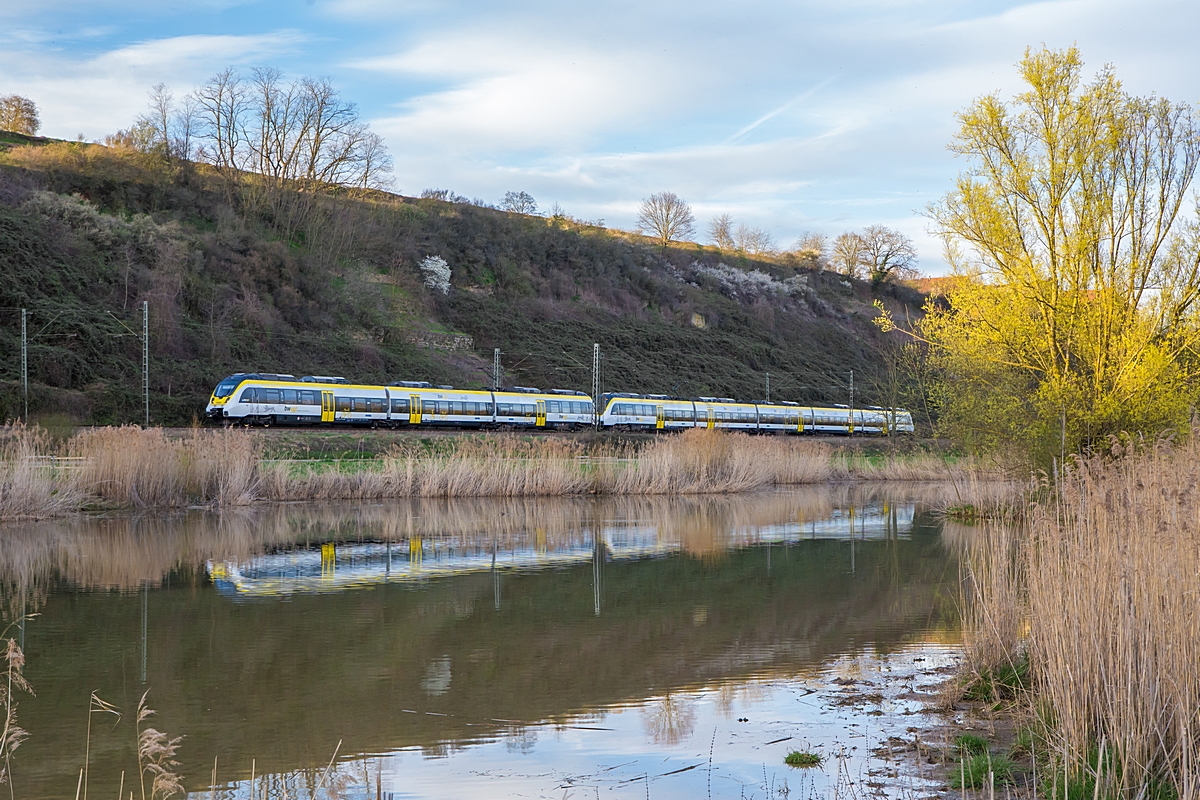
(131, 467)
(1104, 577)
(31, 485)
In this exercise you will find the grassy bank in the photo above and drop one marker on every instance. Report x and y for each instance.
(131, 467)
(1090, 618)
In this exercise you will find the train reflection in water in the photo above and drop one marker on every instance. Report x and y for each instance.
(339, 567)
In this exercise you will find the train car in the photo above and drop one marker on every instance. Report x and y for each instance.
(646, 412)
(228, 387)
(417, 403)
(784, 417)
(284, 400)
(569, 409)
(526, 406)
(725, 413)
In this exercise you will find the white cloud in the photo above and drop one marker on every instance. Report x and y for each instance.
(791, 115)
(98, 95)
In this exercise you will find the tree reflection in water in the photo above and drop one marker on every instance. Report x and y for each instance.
(669, 720)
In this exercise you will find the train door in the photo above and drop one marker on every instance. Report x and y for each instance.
(540, 420)
(799, 420)
(851, 424)
(712, 418)
(414, 409)
(660, 421)
(326, 406)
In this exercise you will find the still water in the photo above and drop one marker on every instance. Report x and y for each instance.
(661, 647)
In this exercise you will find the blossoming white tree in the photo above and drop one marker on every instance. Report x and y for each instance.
(437, 273)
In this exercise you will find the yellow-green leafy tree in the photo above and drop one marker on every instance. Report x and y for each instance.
(1072, 315)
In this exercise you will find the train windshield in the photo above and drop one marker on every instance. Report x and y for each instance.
(226, 387)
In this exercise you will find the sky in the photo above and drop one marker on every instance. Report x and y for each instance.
(789, 116)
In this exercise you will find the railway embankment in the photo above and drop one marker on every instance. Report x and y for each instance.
(128, 467)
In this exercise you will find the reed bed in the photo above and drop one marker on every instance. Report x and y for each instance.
(131, 467)
(31, 484)
(1099, 593)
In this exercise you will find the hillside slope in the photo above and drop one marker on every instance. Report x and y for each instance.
(331, 285)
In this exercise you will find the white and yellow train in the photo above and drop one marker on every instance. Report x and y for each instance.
(273, 399)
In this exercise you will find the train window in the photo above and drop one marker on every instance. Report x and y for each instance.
(375, 405)
(270, 396)
(428, 406)
(289, 396)
(307, 397)
(226, 387)
(530, 411)
(248, 396)
(399, 406)
(360, 404)
(552, 407)
(344, 403)
(456, 408)
(503, 409)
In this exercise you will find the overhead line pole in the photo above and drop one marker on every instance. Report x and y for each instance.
(146, 358)
(596, 383)
(851, 402)
(496, 370)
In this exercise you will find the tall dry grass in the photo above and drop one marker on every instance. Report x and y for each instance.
(31, 485)
(131, 467)
(1106, 577)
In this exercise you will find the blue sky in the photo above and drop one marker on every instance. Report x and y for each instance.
(790, 116)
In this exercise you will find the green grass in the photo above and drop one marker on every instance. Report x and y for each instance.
(1003, 682)
(972, 773)
(969, 745)
(802, 758)
(1023, 745)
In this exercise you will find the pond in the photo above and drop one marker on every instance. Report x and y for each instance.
(587, 647)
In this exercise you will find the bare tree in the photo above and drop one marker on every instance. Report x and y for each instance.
(887, 254)
(161, 116)
(445, 195)
(754, 241)
(667, 217)
(720, 230)
(849, 254)
(812, 250)
(187, 122)
(222, 105)
(297, 135)
(19, 115)
(519, 203)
